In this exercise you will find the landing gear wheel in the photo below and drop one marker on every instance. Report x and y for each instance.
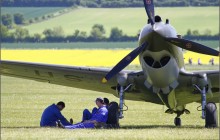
(177, 121)
(211, 115)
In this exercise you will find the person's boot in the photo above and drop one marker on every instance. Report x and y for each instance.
(60, 125)
(71, 121)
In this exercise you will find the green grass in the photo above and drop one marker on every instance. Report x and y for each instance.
(22, 103)
(202, 67)
(30, 12)
(86, 45)
(130, 20)
(188, 67)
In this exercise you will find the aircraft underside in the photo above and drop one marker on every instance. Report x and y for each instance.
(178, 98)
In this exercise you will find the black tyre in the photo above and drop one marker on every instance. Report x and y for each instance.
(177, 121)
(211, 115)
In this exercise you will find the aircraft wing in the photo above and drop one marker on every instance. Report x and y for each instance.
(186, 94)
(212, 75)
(79, 77)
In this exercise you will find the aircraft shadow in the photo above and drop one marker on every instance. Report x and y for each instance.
(125, 127)
(159, 126)
(18, 127)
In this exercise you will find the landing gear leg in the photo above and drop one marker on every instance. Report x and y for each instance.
(203, 100)
(121, 102)
(209, 110)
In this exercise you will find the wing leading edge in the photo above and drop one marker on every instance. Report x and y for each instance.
(79, 77)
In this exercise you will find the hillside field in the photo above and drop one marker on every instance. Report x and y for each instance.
(131, 20)
(30, 12)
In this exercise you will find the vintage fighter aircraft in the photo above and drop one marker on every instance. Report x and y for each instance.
(163, 79)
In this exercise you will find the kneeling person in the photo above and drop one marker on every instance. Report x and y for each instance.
(52, 114)
(100, 116)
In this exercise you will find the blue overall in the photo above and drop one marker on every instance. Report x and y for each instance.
(101, 115)
(87, 115)
(51, 115)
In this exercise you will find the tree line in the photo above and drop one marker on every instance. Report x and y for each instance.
(8, 19)
(97, 34)
(105, 3)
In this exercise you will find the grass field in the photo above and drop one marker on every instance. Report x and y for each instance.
(88, 45)
(131, 20)
(30, 12)
(22, 102)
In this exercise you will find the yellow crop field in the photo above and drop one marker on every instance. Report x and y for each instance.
(107, 58)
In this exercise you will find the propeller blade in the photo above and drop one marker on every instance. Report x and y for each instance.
(149, 7)
(192, 46)
(124, 62)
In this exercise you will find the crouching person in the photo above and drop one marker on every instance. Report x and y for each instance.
(52, 115)
(93, 120)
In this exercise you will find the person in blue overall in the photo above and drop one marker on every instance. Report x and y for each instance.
(52, 114)
(89, 121)
(86, 113)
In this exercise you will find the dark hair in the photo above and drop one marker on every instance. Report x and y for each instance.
(106, 101)
(100, 100)
(61, 103)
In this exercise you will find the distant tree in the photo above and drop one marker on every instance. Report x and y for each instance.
(77, 36)
(76, 33)
(82, 36)
(37, 37)
(115, 34)
(18, 18)
(6, 20)
(36, 18)
(48, 33)
(189, 32)
(195, 33)
(58, 31)
(207, 32)
(97, 32)
(20, 34)
(54, 35)
(4, 31)
(43, 17)
(92, 4)
(31, 21)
